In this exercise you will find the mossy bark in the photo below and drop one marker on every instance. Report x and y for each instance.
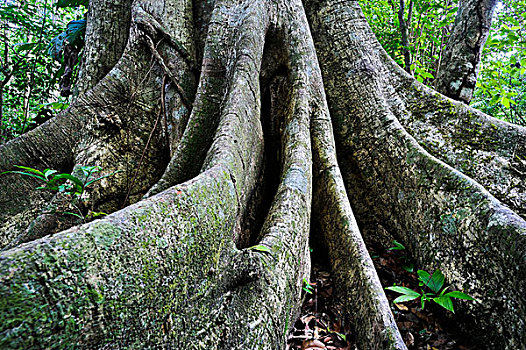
(448, 220)
(218, 112)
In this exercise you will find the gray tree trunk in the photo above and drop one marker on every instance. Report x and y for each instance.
(458, 70)
(240, 131)
(107, 30)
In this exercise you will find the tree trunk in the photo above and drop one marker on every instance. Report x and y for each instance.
(458, 70)
(240, 141)
(107, 29)
(404, 31)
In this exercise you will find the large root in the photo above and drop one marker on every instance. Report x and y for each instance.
(447, 219)
(214, 262)
(489, 150)
(125, 125)
(173, 257)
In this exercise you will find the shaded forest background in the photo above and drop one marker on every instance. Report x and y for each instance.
(34, 34)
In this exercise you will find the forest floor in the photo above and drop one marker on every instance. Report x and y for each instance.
(321, 324)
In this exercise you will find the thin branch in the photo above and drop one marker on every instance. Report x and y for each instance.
(168, 71)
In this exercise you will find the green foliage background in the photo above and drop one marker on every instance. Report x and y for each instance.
(502, 78)
(28, 74)
(501, 87)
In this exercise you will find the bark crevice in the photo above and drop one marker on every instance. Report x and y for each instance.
(214, 256)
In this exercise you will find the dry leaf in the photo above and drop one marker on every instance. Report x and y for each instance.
(312, 344)
(401, 307)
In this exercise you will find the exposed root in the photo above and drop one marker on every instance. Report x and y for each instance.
(114, 126)
(108, 266)
(489, 150)
(154, 249)
(166, 271)
(362, 294)
(447, 220)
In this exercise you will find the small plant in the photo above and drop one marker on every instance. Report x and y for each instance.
(68, 184)
(307, 286)
(397, 246)
(434, 283)
(260, 248)
(341, 335)
(409, 267)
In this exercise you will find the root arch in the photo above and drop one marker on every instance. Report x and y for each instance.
(193, 257)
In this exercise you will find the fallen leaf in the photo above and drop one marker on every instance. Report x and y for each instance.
(401, 307)
(312, 344)
(409, 339)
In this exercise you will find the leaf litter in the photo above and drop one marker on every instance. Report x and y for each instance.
(322, 325)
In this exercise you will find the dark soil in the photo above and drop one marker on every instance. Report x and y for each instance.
(321, 324)
(428, 329)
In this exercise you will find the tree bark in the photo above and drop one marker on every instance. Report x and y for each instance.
(458, 70)
(242, 141)
(395, 183)
(107, 29)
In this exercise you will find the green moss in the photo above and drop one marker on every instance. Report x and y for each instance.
(129, 275)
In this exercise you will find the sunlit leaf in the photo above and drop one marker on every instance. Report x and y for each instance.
(404, 298)
(445, 302)
(459, 295)
(260, 248)
(403, 290)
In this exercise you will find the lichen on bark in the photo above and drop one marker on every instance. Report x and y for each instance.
(244, 131)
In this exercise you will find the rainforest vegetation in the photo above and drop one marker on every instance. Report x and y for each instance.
(262, 174)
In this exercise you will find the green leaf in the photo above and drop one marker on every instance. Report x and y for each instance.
(88, 170)
(494, 100)
(445, 302)
(307, 287)
(505, 102)
(22, 173)
(404, 298)
(443, 291)
(36, 171)
(56, 45)
(260, 248)
(397, 246)
(459, 295)
(49, 172)
(423, 275)
(409, 267)
(77, 183)
(404, 290)
(74, 35)
(427, 75)
(75, 31)
(74, 214)
(437, 281)
(434, 282)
